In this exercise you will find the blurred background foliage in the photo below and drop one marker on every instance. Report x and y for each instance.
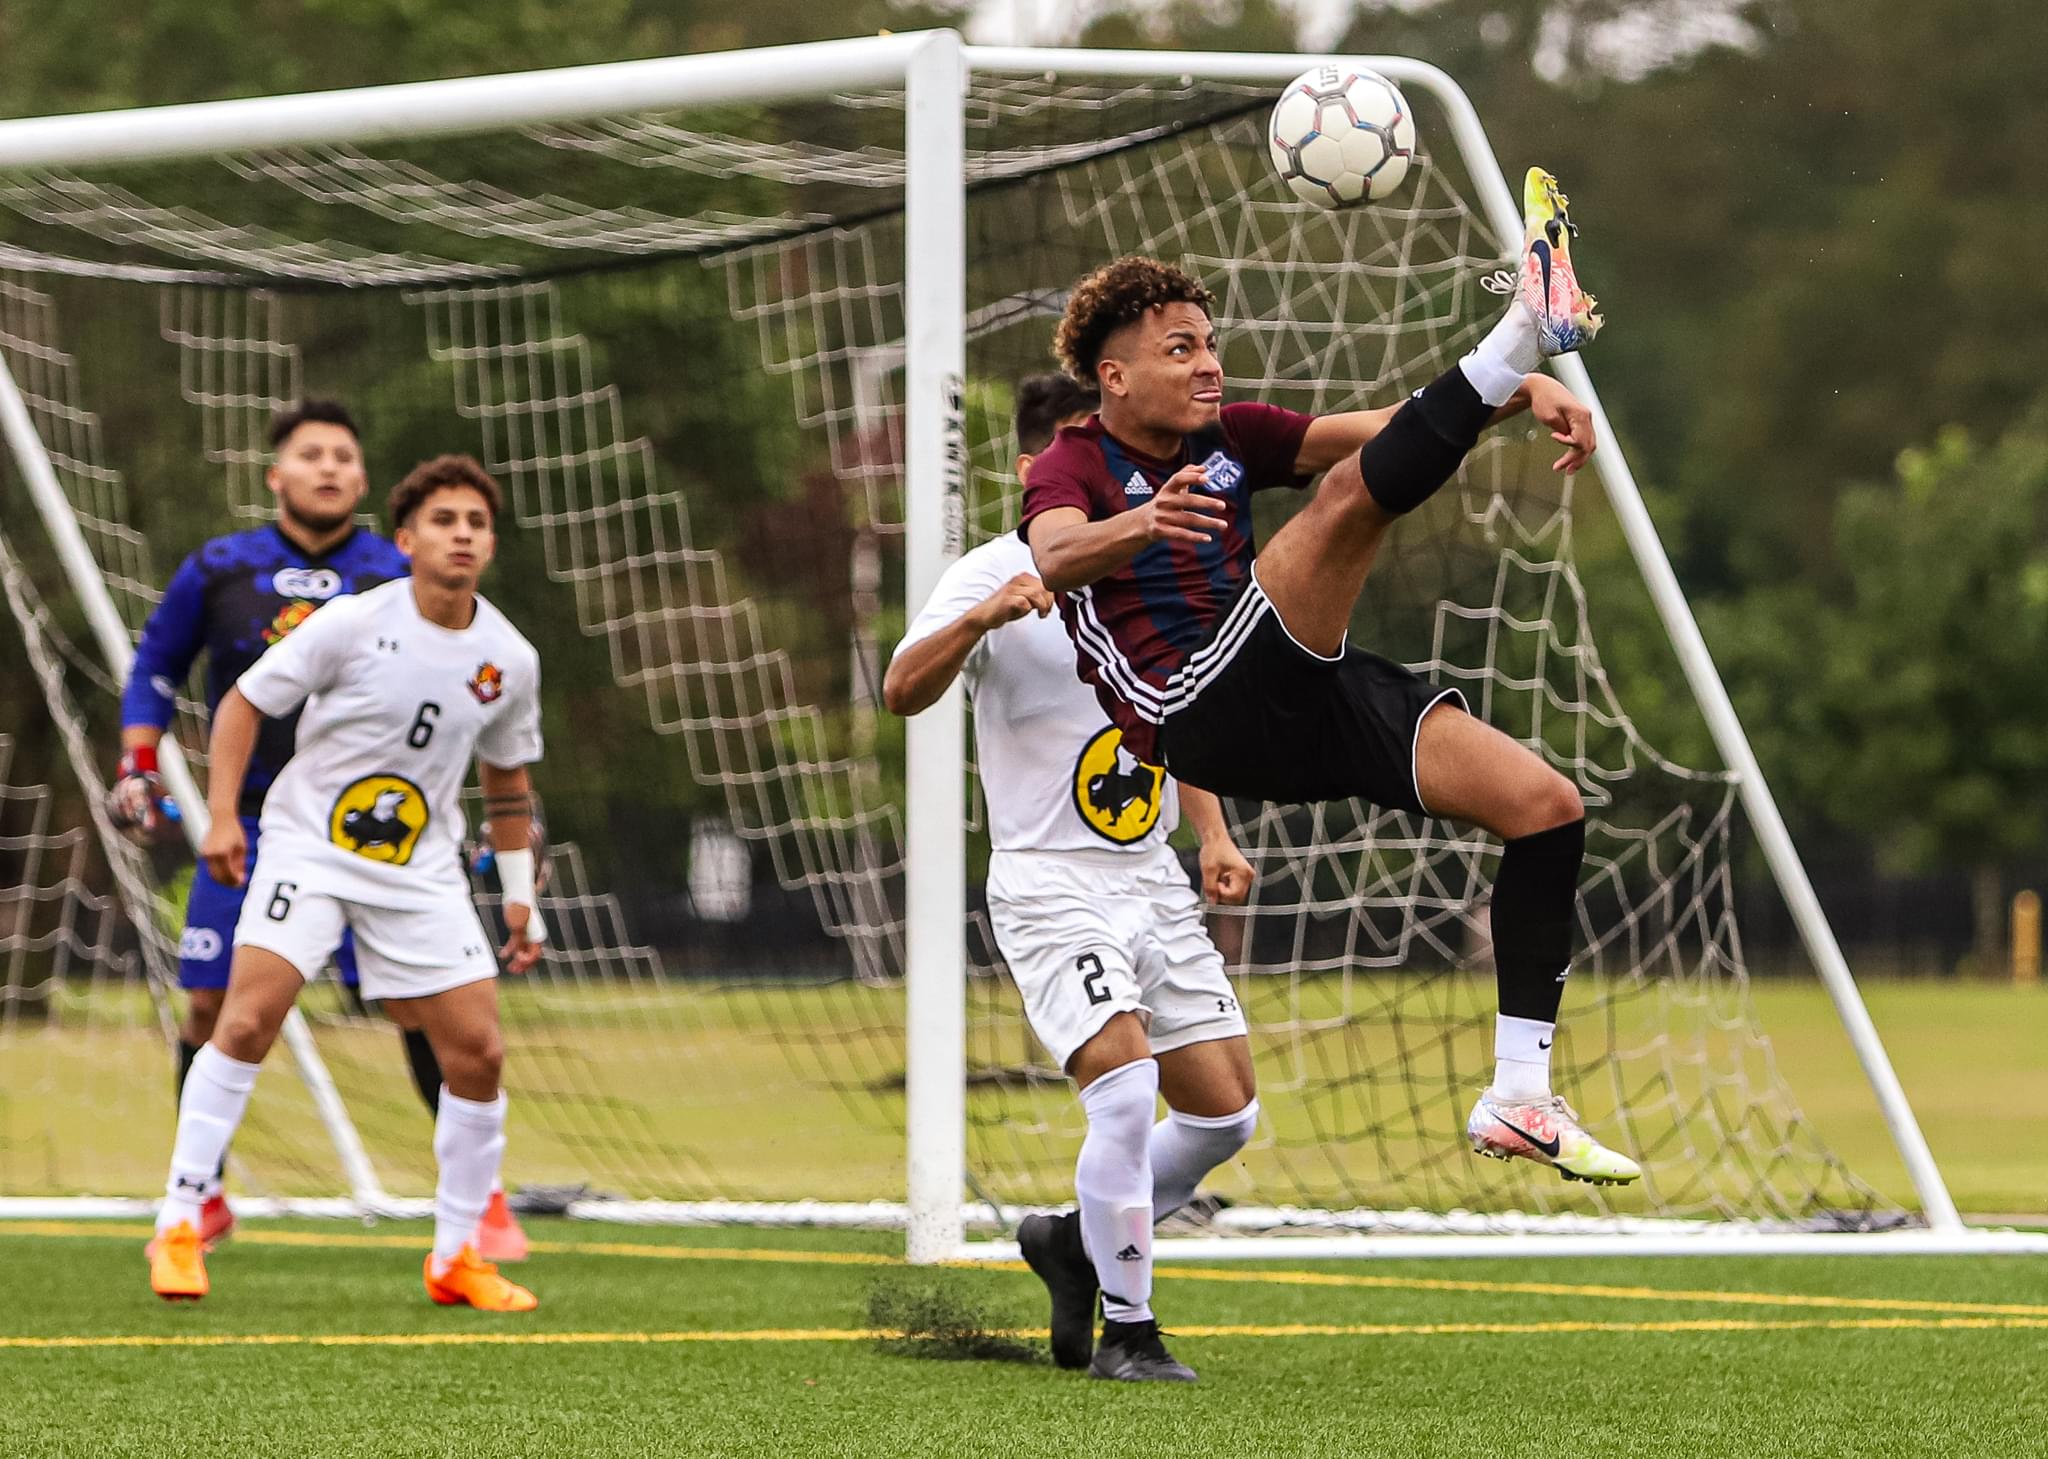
(1814, 227)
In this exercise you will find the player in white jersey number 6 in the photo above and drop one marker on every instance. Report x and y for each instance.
(1098, 924)
(401, 686)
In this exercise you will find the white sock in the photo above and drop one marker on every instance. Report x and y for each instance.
(1510, 350)
(1521, 1050)
(1114, 1181)
(469, 1141)
(1187, 1147)
(216, 1094)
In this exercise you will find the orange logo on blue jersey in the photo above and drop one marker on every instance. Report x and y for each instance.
(288, 618)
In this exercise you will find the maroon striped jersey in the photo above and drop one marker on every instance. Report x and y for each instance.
(1134, 629)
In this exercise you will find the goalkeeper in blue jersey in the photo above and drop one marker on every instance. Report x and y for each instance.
(234, 598)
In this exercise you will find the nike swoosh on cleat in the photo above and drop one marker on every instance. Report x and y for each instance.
(1548, 1147)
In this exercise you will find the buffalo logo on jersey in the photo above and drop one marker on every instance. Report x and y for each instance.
(1116, 793)
(488, 684)
(288, 618)
(380, 817)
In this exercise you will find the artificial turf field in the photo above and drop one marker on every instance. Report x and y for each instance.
(318, 1341)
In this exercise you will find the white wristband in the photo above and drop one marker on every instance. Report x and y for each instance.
(515, 879)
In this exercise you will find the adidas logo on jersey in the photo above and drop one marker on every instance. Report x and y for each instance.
(1137, 485)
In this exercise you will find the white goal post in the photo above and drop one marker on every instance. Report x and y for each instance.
(934, 71)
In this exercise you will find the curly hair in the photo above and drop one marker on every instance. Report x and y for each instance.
(1114, 295)
(443, 471)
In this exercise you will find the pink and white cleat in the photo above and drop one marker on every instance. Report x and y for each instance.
(1547, 1131)
(1567, 317)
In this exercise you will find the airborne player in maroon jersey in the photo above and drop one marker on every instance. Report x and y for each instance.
(1236, 672)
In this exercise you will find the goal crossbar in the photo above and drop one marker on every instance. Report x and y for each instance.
(934, 69)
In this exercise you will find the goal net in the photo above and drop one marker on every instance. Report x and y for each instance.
(677, 339)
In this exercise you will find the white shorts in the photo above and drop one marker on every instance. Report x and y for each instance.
(1091, 934)
(400, 953)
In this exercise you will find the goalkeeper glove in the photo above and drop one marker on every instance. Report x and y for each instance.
(136, 803)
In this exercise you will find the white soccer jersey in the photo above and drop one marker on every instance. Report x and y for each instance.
(395, 708)
(1053, 768)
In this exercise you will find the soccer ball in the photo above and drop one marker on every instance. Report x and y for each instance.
(1342, 135)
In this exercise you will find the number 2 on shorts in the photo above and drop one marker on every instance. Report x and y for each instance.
(1090, 966)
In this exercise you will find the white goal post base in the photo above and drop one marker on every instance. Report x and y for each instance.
(1396, 1235)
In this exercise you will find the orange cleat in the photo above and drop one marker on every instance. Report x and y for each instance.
(472, 1281)
(216, 1221)
(498, 1236)
(177, 1264)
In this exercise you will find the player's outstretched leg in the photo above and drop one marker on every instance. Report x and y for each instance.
(1315, 566)
(1469, 771)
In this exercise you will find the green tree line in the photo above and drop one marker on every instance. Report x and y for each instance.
(1813, 232)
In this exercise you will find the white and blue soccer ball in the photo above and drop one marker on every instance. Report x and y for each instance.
(1342, 135)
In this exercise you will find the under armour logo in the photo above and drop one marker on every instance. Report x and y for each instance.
(1130, 1253)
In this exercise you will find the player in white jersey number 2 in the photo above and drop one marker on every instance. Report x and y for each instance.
(401, 686)
(1099, 926)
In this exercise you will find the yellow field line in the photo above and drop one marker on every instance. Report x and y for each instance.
(1618, 1294)
(868, 1334)
(1253, 1275)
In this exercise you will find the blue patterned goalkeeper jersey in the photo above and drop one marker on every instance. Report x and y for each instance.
(234, 598)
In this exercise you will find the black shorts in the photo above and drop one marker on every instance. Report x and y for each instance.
(1262, 718)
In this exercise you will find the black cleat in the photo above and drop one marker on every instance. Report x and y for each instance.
(1132, 1352)
(1052, 1247)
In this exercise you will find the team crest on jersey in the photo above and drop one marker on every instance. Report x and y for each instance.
(288, 618)
(488, 684)
(1116, 793)
(306, 582)
(380, 817)
(1225, 472)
